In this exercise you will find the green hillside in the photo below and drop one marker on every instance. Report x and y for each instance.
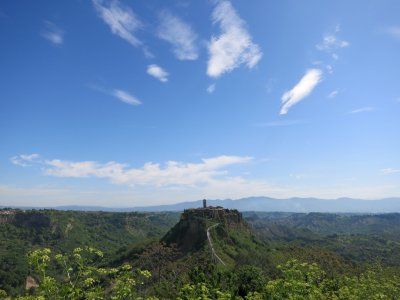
(344, 243)
(62, 231)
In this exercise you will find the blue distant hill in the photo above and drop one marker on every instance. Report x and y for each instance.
(341, 205)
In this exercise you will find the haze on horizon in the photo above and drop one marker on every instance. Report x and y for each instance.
(113, 103)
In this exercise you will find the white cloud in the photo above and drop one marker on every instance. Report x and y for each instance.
(126, 97)
(362, 109)
(211, 88)
(331, 42)
(301, 90)
(121, 20)
(173, 173)
(234, 46)
(333, 94)
(390, 171)
(183, 39)
(393, 31)
(53, 34)
(155, 184)
(329, 69)
(173, 182)
(157, 72)
(25, 160)
(121, 95)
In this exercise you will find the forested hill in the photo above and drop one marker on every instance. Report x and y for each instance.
(68, 229)
(328, 224)
(332, 240)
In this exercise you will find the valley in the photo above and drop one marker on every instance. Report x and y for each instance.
(225, 250)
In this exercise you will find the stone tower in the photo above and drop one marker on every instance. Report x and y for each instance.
(204, 203)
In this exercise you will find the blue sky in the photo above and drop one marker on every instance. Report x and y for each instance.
(126, 103)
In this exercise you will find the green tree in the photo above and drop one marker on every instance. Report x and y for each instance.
(300, 281)
(82, 279)
(370, 285)
(201, 291)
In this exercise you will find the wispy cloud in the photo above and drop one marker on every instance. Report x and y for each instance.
(157, 72)
(393, 31)
(331, 43)
(53, 33)
(211, 88)
(25, 160)
(234, 46)
(301, 90)
(121, 95)
(362, 109)
(180, 34)
(173, 173)
(126, 97)
(333, 94)
(329, 69)
(121, 20)
(390, 171)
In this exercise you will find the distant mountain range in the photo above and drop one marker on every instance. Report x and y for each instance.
(341, 205)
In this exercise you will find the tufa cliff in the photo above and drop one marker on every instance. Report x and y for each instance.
(190, 233)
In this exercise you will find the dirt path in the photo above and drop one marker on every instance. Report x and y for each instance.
(211, 245)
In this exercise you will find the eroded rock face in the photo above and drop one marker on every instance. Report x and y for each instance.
(228, 217)
(7, 216)
(30, 283)
(190, 233)
(32, 219)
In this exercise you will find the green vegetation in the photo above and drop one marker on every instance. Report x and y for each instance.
(265, 256)
(62, 231)
(340, 243)
(81, 279)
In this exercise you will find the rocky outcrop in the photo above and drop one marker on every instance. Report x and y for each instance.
(7, 216)
(20, 218)
(190, 233)
(228, 217)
